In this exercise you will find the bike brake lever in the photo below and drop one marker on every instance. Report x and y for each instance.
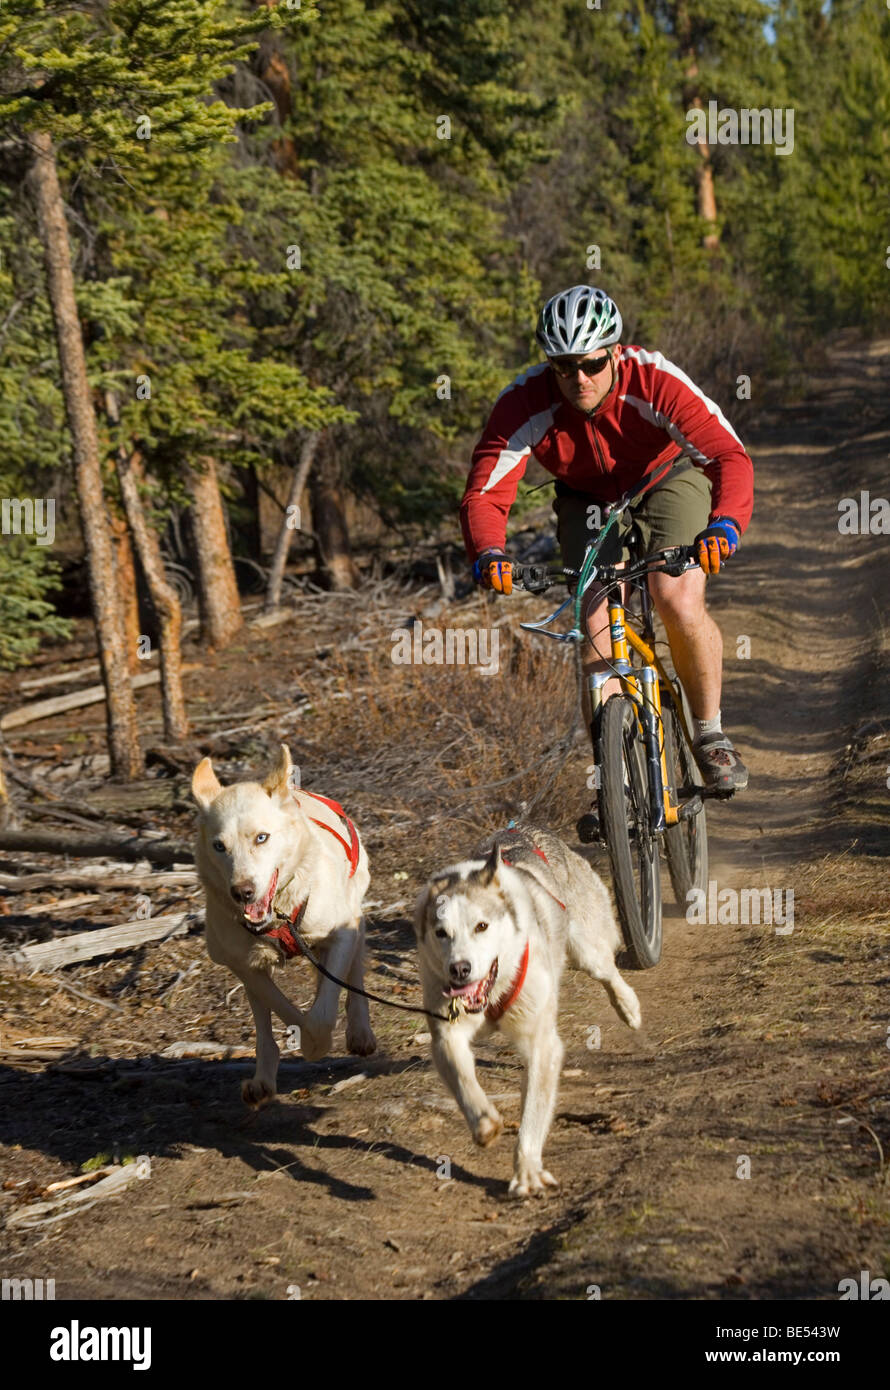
(574, 635)
(535, 578)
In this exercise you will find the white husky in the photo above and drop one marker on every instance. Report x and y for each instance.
(493, 933)
(269, 849)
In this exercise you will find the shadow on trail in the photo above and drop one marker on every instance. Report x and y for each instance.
(154, 1107)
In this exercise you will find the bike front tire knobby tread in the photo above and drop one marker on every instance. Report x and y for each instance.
(639, 902)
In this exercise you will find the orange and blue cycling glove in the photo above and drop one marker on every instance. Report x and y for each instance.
(716, 543)
(494, 571)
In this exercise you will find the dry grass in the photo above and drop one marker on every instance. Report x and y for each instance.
(444, 744)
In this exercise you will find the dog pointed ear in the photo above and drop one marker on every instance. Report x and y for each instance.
(426, 906)
(278, 781)
(489, 871)
(421, 907)
(206, 786)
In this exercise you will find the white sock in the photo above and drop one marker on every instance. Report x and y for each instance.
(706, 726)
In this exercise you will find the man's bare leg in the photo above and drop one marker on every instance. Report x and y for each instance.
(697, 650)
(695, 640)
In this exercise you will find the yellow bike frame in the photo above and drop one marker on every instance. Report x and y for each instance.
(642, 685)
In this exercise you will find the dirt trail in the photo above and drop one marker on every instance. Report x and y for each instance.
(757, 1046)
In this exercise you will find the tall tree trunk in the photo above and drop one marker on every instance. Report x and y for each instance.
(282, 546)
(123, 738)
(273, 69)
(162, 594)
(329, 521)
(249, 530)
(704, 174)
(704, 180)
(218, 597)
(125, 579)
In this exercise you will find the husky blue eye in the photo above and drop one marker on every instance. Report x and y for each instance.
(262, 838)
(219, 846)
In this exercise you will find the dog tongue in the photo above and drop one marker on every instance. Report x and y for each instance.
(461, 990)
(259, 910)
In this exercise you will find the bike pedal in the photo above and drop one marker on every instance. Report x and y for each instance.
(690, 808)
(588, 829)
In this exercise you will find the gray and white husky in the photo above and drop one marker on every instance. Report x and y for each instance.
(493, 934)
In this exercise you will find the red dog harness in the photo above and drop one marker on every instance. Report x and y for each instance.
(352, 848)
(284, 934)
(494, 1012)
(497, 1011)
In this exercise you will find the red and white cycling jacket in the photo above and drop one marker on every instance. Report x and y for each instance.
(653, 413)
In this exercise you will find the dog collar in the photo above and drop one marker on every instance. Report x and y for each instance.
(494, 1012)
(352, 846)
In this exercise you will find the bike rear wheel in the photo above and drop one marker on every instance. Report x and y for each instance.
(633, 850)
(686, 843)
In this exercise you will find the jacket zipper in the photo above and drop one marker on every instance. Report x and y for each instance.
(596, 445)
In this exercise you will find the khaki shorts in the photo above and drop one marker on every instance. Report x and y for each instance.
(672, 514)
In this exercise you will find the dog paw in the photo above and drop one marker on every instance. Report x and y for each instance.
(360, 1042)
(631, 1011)
(626, 1004)
(315, 1043)
(488, 1129)
(531, 1179)
(257, 1093)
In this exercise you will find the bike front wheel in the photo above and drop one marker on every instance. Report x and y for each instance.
(686, 843)
(633, 849)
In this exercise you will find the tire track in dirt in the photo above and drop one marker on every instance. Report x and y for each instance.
(757, 1038)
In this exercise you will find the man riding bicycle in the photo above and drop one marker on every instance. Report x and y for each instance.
(602, 418)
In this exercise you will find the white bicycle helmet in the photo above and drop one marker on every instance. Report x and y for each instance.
(577, 321)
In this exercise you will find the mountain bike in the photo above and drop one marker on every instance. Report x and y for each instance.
(650, 790)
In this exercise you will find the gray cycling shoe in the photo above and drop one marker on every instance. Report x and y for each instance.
(719, 764)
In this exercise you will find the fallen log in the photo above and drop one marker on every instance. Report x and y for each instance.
(206, 1051)
(103, 941)
(66, 677)
(62, 905)
(97, 846)
(30, 1054)
(116, 1181)
(93, 695)
(103, 877)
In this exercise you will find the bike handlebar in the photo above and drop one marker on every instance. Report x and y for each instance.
(676, 560)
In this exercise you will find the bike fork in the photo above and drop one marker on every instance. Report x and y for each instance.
(648, 714)
(595, 682)
(649, 718)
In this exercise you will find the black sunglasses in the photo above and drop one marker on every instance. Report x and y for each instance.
(564, 366)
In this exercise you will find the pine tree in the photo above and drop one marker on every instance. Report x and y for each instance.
(827, 211)
(403, 296)
(80, 76)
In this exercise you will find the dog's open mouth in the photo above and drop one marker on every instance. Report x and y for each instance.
(259, 912)
(474, 997)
